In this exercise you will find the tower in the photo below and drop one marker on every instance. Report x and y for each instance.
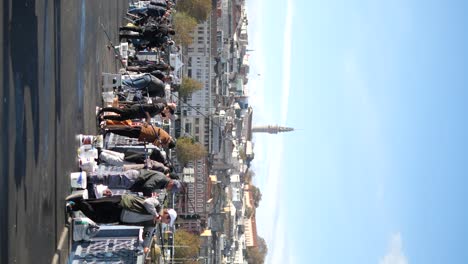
(272, 129)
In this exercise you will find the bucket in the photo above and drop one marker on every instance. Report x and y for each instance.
(78, 180)
(87, 152)
(86, 139)
(88, 165)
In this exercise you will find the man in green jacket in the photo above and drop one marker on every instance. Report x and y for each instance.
(125, 209)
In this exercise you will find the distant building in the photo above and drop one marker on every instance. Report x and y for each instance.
(198, 109)
(206, 246)
(192, 204)
(250, 224)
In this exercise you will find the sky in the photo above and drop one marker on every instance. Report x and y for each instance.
(377, 169)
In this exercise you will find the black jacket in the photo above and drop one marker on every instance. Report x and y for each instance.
(149, 181)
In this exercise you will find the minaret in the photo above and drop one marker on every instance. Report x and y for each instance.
(272, 129)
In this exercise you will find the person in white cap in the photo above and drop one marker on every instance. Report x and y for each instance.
(168, 217)
(125, 209)
(172, 215)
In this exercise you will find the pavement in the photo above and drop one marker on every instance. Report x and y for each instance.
(53, 53)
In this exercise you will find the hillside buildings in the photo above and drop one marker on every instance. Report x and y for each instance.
(219, 116)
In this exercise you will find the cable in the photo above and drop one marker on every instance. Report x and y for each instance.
(198, 111)
(160, 233)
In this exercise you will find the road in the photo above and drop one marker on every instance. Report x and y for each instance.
(52, 55)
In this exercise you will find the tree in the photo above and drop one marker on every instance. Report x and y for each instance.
(256, 255)
(188, 150)
(199, 9)
(248, 212)
(187, 245)
(248, 176)
(189, 86)
(262, 246)
(183, 26)
(242, 154)
(256, 194)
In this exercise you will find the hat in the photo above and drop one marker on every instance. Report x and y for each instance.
(173, 215)
(176, 186)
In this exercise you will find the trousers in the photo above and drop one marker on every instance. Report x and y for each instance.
(103, 210)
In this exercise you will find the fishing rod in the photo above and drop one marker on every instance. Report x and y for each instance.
(198, 111)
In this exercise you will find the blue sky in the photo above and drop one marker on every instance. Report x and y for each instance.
(379, 90)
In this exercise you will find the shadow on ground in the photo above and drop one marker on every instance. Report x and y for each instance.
(52, 55)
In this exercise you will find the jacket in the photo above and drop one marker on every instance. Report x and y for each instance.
(148, 181)
(155, 135)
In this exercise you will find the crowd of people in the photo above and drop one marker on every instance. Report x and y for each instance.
(140, 173)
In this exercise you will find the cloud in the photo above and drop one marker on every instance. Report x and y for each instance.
(273, 207)
(395, 253)
(268, 165)
(271, 212)
(287, 41)
(368, 118)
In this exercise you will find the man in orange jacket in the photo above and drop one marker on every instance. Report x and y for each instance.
(144, 132)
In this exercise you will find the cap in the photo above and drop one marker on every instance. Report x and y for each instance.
(176, 186)
(173, 215)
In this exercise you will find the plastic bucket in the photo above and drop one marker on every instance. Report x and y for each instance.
(88, 165)
(87, 151)
(78, 180)
(86, 139)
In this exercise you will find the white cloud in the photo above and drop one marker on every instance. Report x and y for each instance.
(271, 215)
(287, 39)
(395, 254)
(368, 118)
